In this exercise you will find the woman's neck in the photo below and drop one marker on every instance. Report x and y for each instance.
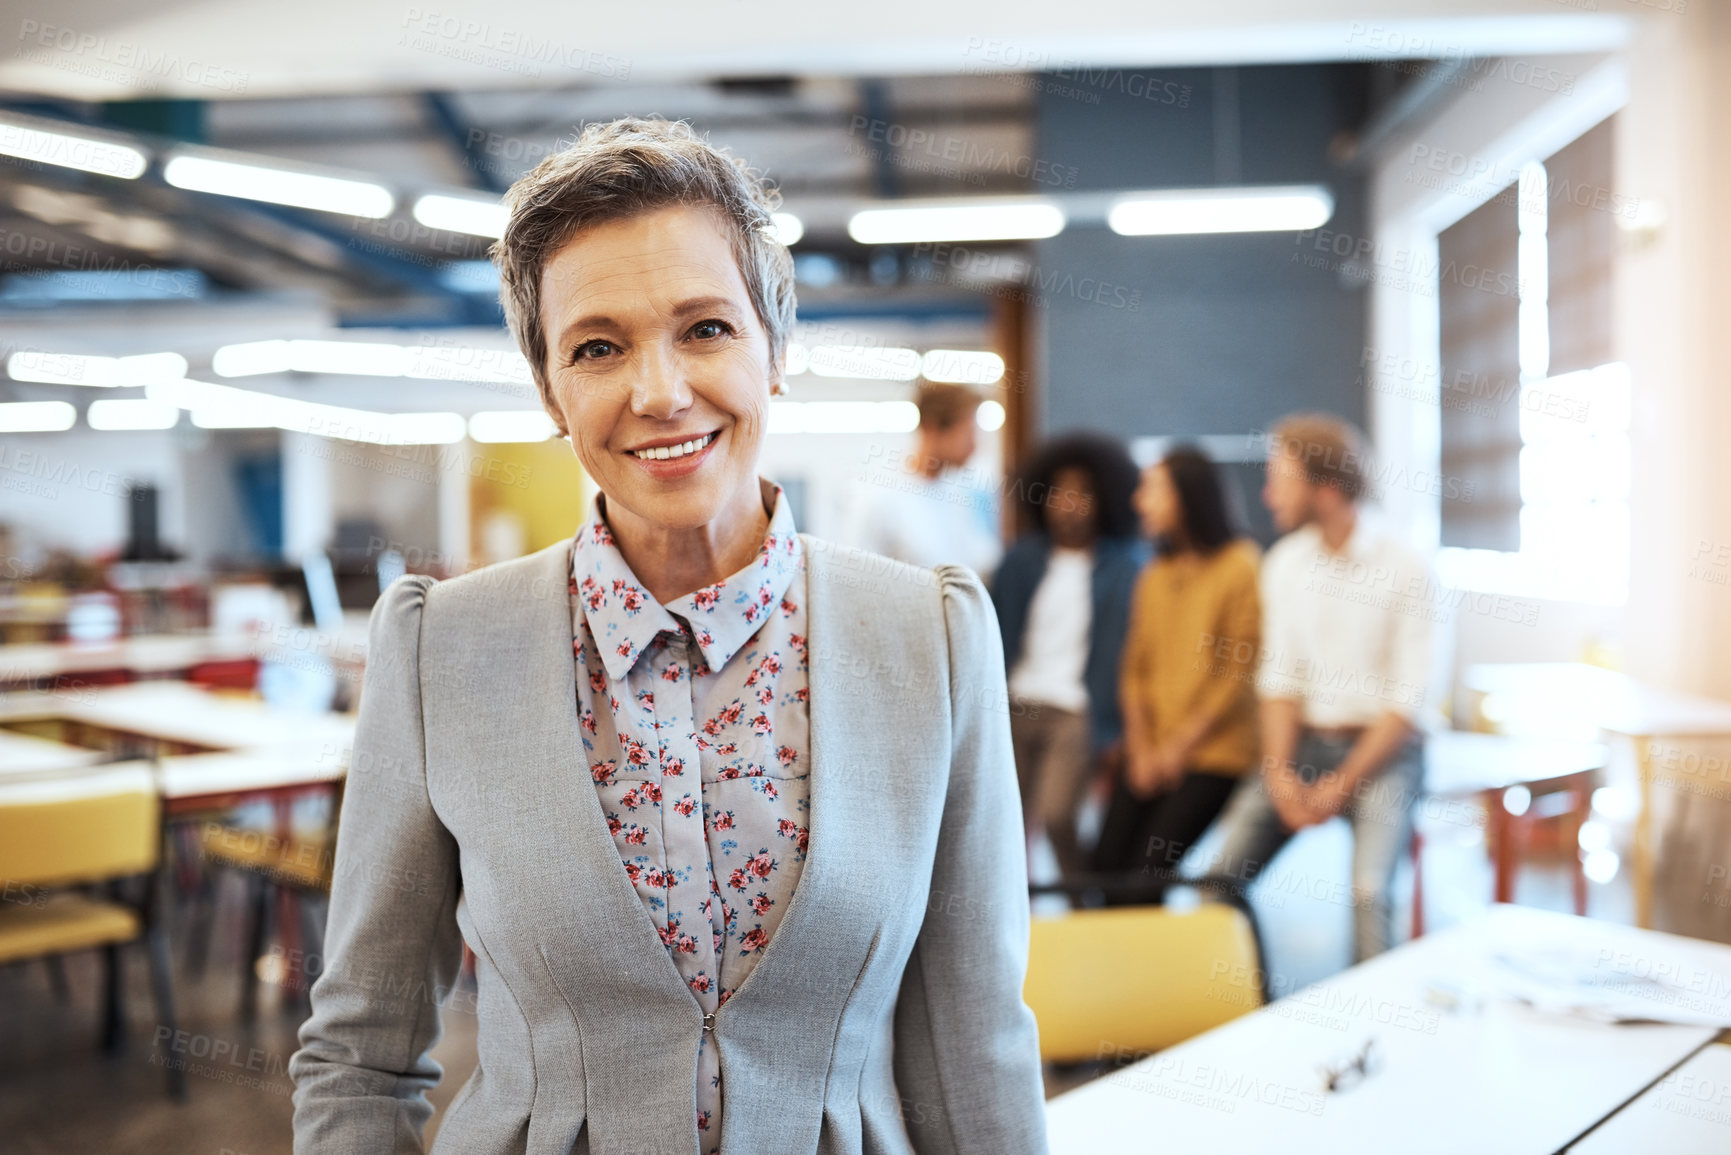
(674, 562)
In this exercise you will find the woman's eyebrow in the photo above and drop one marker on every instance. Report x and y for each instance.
(597, 321)
(705, 304)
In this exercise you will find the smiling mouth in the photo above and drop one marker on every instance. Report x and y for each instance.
(673, 452)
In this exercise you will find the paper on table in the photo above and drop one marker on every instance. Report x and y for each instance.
(1567, 979)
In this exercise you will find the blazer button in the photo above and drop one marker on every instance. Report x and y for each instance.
(709, 1022)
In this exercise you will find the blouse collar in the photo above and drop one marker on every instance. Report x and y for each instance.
(722, 617)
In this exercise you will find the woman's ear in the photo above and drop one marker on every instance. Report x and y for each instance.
(778, 386)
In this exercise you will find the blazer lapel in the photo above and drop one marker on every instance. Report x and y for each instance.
(591, 920)
(879, 692)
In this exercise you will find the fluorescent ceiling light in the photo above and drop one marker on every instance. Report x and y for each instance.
(70, 150)
(467, 363)
(362, 358)
(1001, 220)
(1173, 212)
(374, 359)
(493, 428)
(234, 417)
(871, 362)
(134, 413)
(788, 228)
(962, 367)
(251, 358)
(226, 406)
(843, 417)
(462, 215)
(36, 416)
(101, 372)
(279, 186)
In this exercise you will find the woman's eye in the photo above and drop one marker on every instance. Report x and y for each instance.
(709, 330)
(592, 350)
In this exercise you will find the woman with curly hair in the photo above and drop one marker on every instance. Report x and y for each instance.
(1063, 598)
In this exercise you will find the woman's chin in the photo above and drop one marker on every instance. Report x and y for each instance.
(691, 504)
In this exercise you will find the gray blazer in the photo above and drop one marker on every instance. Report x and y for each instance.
(886, 1014)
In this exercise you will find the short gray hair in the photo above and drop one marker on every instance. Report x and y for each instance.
(619, 169)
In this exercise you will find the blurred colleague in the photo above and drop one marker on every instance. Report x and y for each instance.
(1188, 688)
(603, 766)
(1347, 644)
(922, 508)
(1063, 599)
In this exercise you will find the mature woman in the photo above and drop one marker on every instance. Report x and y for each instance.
(1187, 695)
(725, 814)
(1063, 601)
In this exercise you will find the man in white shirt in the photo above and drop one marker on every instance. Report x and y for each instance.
(922, 508)
(1348, 627)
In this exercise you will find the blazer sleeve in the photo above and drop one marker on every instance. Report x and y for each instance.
(391, 949)
(967, 1058)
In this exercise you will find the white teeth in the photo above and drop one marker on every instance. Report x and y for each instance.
(665, 452)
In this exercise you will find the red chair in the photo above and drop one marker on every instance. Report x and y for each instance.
(230, 674)
(85, 679)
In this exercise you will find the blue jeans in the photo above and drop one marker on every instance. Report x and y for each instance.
(1380, 812)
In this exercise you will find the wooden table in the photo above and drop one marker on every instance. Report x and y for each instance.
(1490, 1075)
(1461, 763)
(1617, 704)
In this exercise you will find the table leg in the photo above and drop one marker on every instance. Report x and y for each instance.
(1641, 868)
(1502, 829)
(1417, 884)
(288, 922)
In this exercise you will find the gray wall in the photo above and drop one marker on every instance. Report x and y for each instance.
(1230, 331)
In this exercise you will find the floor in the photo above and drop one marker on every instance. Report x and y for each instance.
(58, 1095)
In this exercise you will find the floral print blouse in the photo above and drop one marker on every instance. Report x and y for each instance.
(694, 722)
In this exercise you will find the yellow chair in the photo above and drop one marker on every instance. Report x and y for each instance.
(55, 836)
(1115, 983)
(287, 871)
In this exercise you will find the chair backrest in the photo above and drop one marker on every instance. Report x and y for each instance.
(229, 674)
(81, 836)
(1126, 980)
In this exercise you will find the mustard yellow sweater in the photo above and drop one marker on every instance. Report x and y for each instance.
(1195, 630)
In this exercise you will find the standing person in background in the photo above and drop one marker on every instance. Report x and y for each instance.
(918, 510)
(1188, 688)
(1348, 638)
(1063, 600)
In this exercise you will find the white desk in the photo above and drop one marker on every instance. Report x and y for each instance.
(23, 756)
(111, 778)
(142, 654)
(191, 782)
(204, 777)
(181, 712)
(1498, 1078)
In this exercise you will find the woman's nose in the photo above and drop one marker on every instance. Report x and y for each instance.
(659, 391)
